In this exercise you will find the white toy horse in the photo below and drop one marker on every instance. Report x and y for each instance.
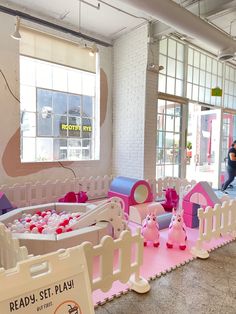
(150, 230)
(177, 231)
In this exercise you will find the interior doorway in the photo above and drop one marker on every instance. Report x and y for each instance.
(203, 144)
(170, 147)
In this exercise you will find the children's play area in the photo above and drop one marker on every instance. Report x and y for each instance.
(117, 156)
(125, 233)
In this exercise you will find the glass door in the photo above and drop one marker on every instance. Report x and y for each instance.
(203, 144)
(170, 146)
(228, 136)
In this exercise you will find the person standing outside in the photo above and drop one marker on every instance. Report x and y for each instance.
(231, 167)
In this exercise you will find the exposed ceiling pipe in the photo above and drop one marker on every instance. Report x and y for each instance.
(186, 22)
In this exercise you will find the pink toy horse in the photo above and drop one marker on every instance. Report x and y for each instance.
(150, 230)
(172, 199)
(177, 232)
(72, 197)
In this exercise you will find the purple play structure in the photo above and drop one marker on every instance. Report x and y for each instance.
(5, 205)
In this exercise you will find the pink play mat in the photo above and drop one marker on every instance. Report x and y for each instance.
(158, 261)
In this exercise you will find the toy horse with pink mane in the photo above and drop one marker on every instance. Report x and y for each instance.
(150, 229)
(177, 231)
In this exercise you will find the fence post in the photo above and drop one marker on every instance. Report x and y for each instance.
(198, 250)
(136, 282)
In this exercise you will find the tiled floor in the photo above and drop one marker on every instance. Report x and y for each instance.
(201, 287)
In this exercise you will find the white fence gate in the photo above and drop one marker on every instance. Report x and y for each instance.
(214, 222)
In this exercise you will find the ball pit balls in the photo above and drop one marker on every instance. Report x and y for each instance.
(44, 222)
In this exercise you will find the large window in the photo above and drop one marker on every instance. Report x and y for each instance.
(58, 112)
(172, 58)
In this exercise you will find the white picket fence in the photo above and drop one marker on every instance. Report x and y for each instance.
(29, 194)
(10, 250)
(214, 222)
(158, 186)
(128, 264)
(127, 269)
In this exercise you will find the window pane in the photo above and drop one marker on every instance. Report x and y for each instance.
(203, 62)
(208, 80)
(28, 151)
(196, 59)
(160, 139)
(43, 74)
(87, 106)
(180, 70)
(86, 127)
(75, 82)
(59, 79)
(28, 124)
(190, 74)
(172, 48)
(195, 75)
(59, 126)
(208, 64)
(60, 149)
(74, 149)
(195, 92)
(160, 122)
(220, 72)
(231, 74)
(88, 86)
(163, 46)
(170, 123)
(44, 125)
(74, 126)
(171, 67)
(189, 90)
(27, 71)
(74, 105)
(179, 88)
(170, 85)
(213, 81)
(28, 98)
(214, 66)
(44, 99)
(180, 52)
(59, 103)
(190, 56)
(44, 149)
(86, 149)
(201, 94)
(202, 78)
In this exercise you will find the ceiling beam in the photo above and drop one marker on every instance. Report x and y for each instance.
(51, 25)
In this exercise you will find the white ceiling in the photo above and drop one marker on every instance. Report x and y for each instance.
(107, 23)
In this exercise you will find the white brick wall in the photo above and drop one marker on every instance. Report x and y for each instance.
(151, 116)
(130, 62)
(134, 106)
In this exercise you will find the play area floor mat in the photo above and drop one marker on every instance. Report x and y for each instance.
(159, 260)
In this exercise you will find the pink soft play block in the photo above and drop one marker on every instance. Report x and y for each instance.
(190, 208)
(202, 194)
(191, 221)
